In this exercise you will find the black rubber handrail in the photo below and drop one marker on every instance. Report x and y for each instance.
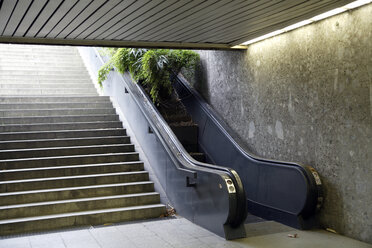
(314, 188)
(189, 165)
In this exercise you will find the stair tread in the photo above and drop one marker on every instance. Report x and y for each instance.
(61, 131)
(58, 123)
(72, 177)
(62, 139)
(64, 147)
(70, 166)
(70, 156)
(54, 216)
(77, 200)
(38, 191)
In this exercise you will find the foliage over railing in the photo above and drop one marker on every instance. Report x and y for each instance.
(151, 67)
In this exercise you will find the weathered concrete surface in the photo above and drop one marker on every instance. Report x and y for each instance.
(306, 96)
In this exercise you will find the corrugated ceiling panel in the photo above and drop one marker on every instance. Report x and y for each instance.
(5, 13)
(127, 10)
(137, 13)
(17, 16)
(92, 20)
(151, 14)
(191, 23)
(81, 17)
(69, 17)
(163, 21)
(43, 17)
(62, 10)
(32, 13)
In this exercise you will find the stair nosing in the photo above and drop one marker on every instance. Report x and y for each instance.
(62, 139)
(37, 191)
(71, 166)
(109, 197)
(73, 177)
(64, 148)
(70, 156)
(60, 131)
(73, 214)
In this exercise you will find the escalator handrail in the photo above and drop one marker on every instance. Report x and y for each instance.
(177, 152)
(307, 171)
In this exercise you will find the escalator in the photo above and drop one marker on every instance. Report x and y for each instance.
(286, 192)
(217, 194)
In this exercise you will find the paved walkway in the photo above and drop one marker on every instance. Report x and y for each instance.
(179, 232)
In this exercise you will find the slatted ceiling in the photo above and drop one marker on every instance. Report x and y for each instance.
(141, 19)
(91, 20)
(178, 19)
(43, 17)
(80, 18)
(62, 10)
(17, 16)
(141, 33)
(271, 20)
(112, 32)
(205, 20)
(210, 18)
(96, 25)
(126, 8)
(35, 8)
(235, 13)
(5, 13)
(196, 17)
(157, 23)
(69, 17)
(268, 19)
(160, 15)
(255, 11)
(189, 16)
(275, 21)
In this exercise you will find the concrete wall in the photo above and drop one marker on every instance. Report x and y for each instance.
(306, 96)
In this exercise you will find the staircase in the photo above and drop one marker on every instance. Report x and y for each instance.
(65, 159)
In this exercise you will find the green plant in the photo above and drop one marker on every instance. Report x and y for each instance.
(151, 67)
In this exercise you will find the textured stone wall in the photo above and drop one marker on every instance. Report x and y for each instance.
(306, 96)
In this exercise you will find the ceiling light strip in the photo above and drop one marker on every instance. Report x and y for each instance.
(322, 16)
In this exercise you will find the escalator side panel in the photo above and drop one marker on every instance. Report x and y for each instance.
(275, 190)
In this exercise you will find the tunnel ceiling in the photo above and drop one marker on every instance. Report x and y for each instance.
(151, 23)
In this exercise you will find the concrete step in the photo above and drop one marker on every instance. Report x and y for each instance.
(56, 112)
(60, 126)
(70, 170)
(72, 181)
(47, 81)
(42, 143)
(44, 77)
(53, 99)
(45, 85)
(65, 105)
(23, 163)
(65, 151)
(93, 217)
(58, 119)
(43, 72)
(30, 196)
(76, 205)
(62, 134)
(39, 57)
(49, 91)
(42, 69)
(40, 63)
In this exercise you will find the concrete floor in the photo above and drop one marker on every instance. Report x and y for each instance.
(178, 232)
